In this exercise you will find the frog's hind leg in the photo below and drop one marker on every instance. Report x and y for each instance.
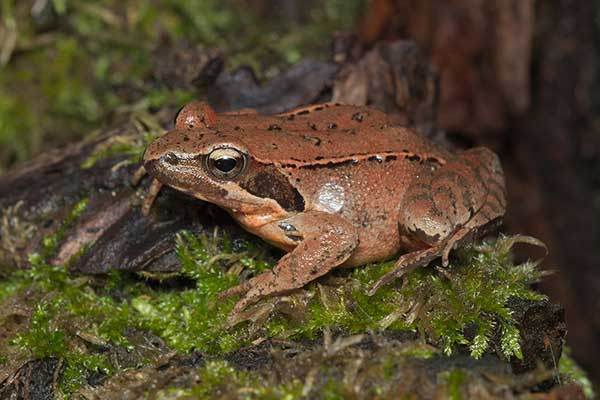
(488, 216)
(479, 225)
(461, 202)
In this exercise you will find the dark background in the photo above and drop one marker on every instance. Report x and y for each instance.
(522, 77)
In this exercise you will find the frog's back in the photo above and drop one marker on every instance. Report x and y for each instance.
(327, 131)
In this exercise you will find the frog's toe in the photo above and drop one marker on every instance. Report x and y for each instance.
(138, 175)
(236, 290)
(406, 263)
(445, 256)
(238, 308)
(250, 297)
(148, 201)
(452, 243)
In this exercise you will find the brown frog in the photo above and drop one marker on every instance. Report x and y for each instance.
(333, 185)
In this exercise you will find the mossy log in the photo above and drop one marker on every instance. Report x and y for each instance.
(103, 302)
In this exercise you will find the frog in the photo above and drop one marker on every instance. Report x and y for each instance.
(333, 186)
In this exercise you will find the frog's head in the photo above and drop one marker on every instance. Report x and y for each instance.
(198, 160)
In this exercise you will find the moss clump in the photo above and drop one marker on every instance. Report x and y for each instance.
(571, 372)
(51, 243)
(454, 381)
(194, 319)
(72, 316)
(218, 379)
(15, 235)
(481, 282)
(440, 309)
(129, 146)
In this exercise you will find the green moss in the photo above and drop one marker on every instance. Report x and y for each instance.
(43, 338)
(51, 242)
(569, 370)
(60, 302)
(419, 350)
(455, 379)
(8, 288)
(440, 309)
(219, 379)
(193, 319)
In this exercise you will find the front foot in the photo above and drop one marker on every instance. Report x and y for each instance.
(252, 291)
(327, 242)
(153, 190)
(150, 197)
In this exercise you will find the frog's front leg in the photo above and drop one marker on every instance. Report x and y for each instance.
(153, 190)
(324, 240)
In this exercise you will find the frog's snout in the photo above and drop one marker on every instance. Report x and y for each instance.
(169, 158)
(155, 165)
(151, 166)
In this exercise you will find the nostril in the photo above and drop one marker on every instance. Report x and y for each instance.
(170, 158)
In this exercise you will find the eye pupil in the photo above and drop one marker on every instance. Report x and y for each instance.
(225, 164)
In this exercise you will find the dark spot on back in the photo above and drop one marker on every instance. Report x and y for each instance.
(357, 117)
(318, 108)
(390, 158)
(303, 112)
(274, 127)
(313, 139)
(433, 161)
(332, 126)
(330, 164)
(413, 158)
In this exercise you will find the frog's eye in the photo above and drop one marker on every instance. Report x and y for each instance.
(225, 163)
